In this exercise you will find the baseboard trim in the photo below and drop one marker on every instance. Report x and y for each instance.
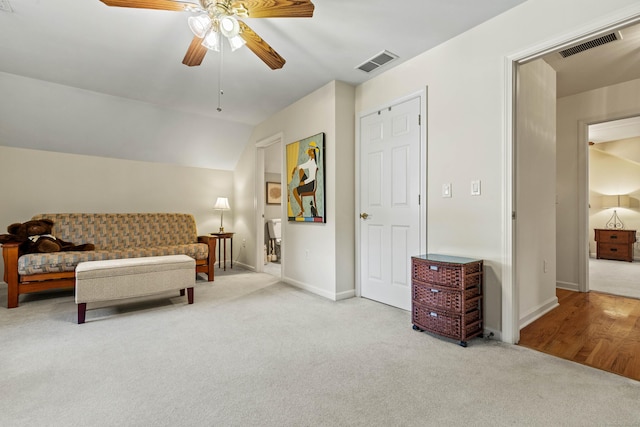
(568, 286)
(312, 289)
(345, 295)
(326, 294)
(537, 312)
(497, 335)
(244, 266)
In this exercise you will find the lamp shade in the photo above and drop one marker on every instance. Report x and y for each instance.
(229, 26)
(199, 25)
(615, 201)
(236, 43)
(212, 40)
(222, 203)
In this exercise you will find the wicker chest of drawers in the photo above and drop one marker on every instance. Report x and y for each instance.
(615, 244)
(447, 296)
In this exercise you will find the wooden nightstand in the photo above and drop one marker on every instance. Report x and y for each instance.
(615, 244)
(222, 238)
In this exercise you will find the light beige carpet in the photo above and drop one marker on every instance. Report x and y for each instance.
(615, 277)
(255, 352)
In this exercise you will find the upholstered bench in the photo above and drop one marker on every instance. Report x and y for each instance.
(132, 277)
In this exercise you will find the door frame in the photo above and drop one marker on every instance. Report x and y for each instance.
(510, 292)
(422, 95)
(259, 201)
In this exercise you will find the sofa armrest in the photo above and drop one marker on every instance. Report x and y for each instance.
(10, 255)
(211, 260)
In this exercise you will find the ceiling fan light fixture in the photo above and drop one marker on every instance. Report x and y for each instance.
(199, 25)
(236, 43)
(229, 26)
(212, 40)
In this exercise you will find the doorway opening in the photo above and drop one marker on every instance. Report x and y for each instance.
(614, 206)
(570, 190)
(585, 325)
(269, 206)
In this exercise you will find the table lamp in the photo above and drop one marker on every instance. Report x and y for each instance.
(222, 204)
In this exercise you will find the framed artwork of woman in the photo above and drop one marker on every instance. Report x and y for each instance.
(306, 180)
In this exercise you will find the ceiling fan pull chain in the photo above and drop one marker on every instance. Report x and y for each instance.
(220, 91)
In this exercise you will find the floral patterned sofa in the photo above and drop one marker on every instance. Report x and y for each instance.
(115, 236)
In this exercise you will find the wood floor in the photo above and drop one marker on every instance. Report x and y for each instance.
(595, 329)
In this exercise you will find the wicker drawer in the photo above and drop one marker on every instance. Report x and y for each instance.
(456, 326)
(437, 297)
(451, 276)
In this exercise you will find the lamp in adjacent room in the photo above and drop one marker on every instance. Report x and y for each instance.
(222, 204)
(615, 201)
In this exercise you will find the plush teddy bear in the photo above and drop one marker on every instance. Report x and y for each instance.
(35, 237)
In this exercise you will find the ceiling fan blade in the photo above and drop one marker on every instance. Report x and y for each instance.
(195, 54)
(261, 48)
(150, 4)
(275, 8)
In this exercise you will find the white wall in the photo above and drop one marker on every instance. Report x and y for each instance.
(536, 198)
(328, 270)
(46, 116)
(466, 129)
(33, 182)
(609, 103)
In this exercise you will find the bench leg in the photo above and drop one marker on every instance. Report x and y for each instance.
(190, 295)
(82, 311)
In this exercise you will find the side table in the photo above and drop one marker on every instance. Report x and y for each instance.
(222, 238)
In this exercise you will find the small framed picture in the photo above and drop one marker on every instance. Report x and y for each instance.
(274, 193)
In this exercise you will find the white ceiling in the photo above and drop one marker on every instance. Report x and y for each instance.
(601, 66)
(137, 53)
(615, 130)
(605, 65)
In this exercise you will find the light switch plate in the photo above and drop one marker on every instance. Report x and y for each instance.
(446, 190)
(475, 187)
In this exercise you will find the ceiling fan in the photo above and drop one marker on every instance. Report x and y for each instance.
(218, 20)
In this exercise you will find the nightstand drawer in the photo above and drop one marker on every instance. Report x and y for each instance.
(616, 236)
(612, 251)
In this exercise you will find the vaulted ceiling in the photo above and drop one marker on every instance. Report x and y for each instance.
(136, 53)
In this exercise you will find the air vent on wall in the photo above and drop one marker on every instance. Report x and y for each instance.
(5, 6)
(591, 44)
(377, 61)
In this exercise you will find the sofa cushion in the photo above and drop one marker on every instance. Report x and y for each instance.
(124, 231)
(58, 262)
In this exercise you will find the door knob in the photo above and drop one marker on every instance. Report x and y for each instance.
(364, 215)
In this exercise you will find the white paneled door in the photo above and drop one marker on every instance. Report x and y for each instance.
(389, 202)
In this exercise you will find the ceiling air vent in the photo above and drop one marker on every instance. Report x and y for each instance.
(591, 44)
(377, 61)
